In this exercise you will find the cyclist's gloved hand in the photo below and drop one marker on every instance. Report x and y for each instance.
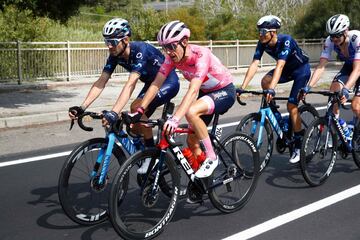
(171, 124)
(269, 93)
(344, 95)
(305, 90)
(136, 116)
(110, 117)
(239, 91)
(76, 111)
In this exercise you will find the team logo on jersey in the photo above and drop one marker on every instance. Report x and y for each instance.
(285, 52)
(287, 43)
(139, 55)
(353, 38)
(139, 65)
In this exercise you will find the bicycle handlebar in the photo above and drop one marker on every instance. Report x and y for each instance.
(334, 95)
(80, 122)
(262, 93)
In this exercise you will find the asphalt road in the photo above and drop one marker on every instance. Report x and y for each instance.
(30, 208)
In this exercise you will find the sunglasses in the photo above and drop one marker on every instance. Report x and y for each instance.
(112, 41)
(338, 35)
(263, 31)
(170, 46)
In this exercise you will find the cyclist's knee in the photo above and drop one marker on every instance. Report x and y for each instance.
(335, 86)
(355, 105)
(265, 82)
(292, 108)
(135, 104)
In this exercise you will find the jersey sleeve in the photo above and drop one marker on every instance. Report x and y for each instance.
(259, 51)
(167, 66)
(327, 49)
(110, 65)
(285, 50)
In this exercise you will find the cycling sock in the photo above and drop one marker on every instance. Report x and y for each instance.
(149, 142)
(208, 149)
(298, 138)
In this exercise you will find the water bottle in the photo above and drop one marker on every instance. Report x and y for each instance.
(278, 116)
(285, 123)
(190, 158)
(345, 129)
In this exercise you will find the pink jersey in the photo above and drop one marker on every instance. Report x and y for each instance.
(201, 64)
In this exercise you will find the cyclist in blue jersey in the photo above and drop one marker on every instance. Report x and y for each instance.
(346, 44)
(291, 64)
(143, 61)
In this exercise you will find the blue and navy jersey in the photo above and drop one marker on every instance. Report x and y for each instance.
(287, 49)
(144, 59)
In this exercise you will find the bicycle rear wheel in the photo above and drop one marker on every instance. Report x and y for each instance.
(250, 125)
(318, 152)
(144, 209)
(234, 180)
(84, 200)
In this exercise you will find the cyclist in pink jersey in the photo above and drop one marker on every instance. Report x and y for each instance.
(210, 91)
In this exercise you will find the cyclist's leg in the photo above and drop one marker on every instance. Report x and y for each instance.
(301, 77)
(215, 102)
(355, 105)
(167, 91)
(338, 83)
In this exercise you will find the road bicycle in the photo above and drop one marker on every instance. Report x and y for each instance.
(268, 118)
(143, 210)
(86, 176)
(321, 143)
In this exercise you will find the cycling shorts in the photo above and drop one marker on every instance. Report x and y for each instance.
(219, 101)
(167, 91)
(301, 76)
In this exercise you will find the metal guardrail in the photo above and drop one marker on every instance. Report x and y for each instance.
(28, 61)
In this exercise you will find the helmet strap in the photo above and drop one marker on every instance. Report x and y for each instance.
(183, 47)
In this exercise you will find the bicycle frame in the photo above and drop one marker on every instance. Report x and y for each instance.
(130, 145)
(266, 111)
(168, 143)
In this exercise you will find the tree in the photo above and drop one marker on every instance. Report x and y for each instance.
(312, 24)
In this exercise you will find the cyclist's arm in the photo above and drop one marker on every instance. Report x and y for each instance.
(320, 68)
(277, 73)
(96, 89)
(355, 74)
(189, 98)
(250, 73)
(126, 92)
(153, 90)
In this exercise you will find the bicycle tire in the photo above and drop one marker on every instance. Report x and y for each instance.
(305, 121)
(266, 148)
(76, 181)
(356, 144)
(237, 173)
(135, 214)
(314, 167)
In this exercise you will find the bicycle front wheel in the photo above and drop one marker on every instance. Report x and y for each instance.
(235, 178)
(356, 144)
(144, 209)
(307, 114)
(318, 152)
(250, 125)
(82, 198)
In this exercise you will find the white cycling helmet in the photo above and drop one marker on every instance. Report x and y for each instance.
(269, 22)
(116, 28)
(172, 32)
(337, 24)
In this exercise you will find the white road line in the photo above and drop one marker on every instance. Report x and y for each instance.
(295, 214)
(33, 159)
(61, 154)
